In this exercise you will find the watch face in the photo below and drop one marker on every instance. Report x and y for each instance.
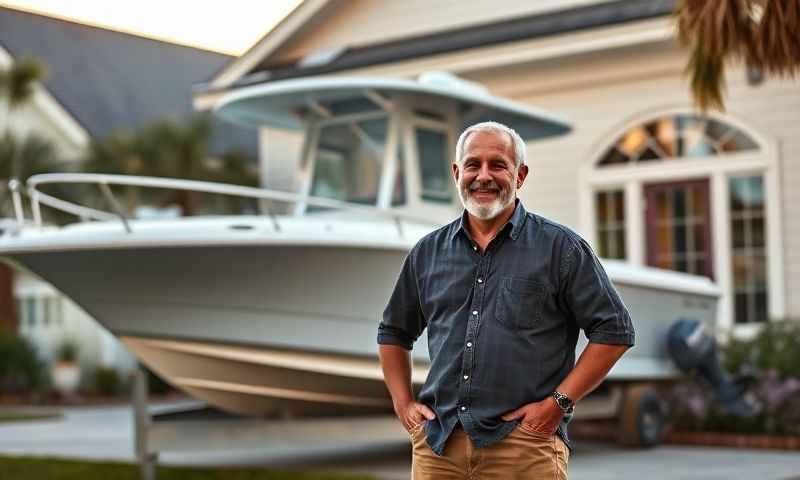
(563, 401)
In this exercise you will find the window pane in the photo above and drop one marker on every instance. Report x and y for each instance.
(610, 221)
(633, 141)
(749, 264)
(648, 154)
(665, 135)
(31, 310)
(434, 165)
(349, 159)
(614, 156)
(715, 130)
(46, 302)
(737, 141)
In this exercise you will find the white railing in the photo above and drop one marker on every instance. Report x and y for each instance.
(103, 181)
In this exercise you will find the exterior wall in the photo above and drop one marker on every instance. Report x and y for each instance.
(360, 22)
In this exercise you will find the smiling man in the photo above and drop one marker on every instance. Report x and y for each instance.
(503, 294)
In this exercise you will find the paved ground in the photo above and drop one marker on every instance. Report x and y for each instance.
(107, 433)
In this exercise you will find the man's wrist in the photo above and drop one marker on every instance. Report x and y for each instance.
(564, 402)
(402, 405)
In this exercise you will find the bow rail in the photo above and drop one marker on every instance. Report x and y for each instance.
(103, 181)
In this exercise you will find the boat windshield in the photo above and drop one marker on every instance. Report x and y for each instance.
(349, 159)
(434, 165)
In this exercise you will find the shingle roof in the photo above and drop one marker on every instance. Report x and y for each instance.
(113, 81)
(521, 28)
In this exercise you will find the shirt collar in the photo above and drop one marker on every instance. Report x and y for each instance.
(517, 221)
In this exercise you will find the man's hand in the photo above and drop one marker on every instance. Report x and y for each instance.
(413, 413)
(542, 417)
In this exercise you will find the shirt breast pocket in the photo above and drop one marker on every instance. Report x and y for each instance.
(519, 304)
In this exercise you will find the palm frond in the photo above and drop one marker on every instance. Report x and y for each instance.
(762, 33)
(17, 82)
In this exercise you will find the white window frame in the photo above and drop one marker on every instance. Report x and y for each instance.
(719, 169)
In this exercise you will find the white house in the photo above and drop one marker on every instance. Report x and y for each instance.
(642, 176)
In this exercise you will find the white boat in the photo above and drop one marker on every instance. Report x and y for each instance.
(277, 313)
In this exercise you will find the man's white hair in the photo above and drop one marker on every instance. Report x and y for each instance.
(519, 143)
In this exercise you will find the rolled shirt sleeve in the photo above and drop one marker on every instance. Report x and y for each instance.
(403, 321)
(592, 299)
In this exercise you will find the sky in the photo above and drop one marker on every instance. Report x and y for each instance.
(229, 27)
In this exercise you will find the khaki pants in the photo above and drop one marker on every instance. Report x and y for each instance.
(523, 454)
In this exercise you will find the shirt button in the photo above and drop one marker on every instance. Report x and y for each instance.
(469, 344)
(475, 247)
(475, 312)
(463, 409)
(466, 377)
(480, 280)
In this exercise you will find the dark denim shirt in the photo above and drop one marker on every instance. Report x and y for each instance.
(503, 324)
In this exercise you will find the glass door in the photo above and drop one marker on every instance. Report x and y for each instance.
(678, 223)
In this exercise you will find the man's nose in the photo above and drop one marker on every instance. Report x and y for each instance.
(483, 173)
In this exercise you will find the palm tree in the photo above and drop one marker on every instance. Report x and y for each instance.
(166, 148)
(761, 33)
(17, 86)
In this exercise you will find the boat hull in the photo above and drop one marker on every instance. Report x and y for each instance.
(277, 329)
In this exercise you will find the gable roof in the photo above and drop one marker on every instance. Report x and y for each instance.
(261, 67)
(112, 81)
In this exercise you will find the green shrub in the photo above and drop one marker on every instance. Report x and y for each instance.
(67, 351)
(771, 362)
(20, 368)
(106, 381)
(776, 347)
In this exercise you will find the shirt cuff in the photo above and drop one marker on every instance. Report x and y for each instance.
(610, 338)
(394, 336)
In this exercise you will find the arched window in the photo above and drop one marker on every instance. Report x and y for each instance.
(695, 213)
(676, 136)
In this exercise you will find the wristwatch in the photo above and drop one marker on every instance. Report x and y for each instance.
(564, 402)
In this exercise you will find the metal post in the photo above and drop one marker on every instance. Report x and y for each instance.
(115, 205)
(147, 460)
(19, 213)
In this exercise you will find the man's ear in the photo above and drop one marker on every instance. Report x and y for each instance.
(522, 173)
(454, 166)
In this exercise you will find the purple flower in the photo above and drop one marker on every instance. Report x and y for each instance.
(697, 405)
(777, 392)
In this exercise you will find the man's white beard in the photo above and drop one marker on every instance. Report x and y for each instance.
(485, 211)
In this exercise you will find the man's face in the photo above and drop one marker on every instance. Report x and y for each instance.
(486, 175)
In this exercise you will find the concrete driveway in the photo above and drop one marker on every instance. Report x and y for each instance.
(107, 433)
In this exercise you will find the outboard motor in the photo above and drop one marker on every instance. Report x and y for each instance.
(692, 348)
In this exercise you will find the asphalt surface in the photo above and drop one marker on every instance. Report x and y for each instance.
(107, 433)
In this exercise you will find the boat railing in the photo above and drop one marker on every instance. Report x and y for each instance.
(104, 181)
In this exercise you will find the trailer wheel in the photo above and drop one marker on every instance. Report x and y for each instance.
(642, 419)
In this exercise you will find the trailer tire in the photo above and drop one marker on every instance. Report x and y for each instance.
(642, 418)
